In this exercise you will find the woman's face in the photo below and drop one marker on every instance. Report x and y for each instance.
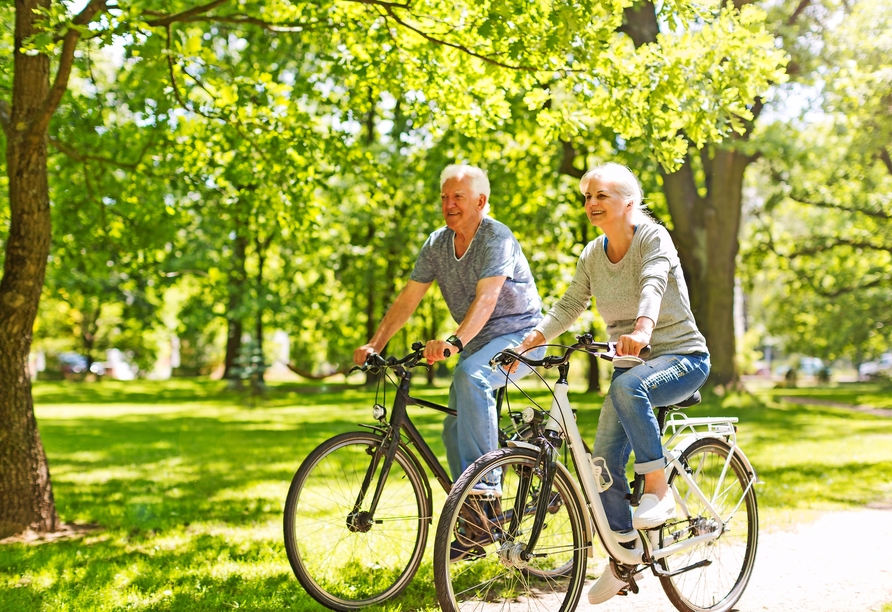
(604, 206)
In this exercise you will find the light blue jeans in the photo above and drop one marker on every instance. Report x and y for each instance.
(475, 429)
(628, 422)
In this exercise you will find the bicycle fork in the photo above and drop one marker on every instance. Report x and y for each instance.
(513, 552)
(384, 455)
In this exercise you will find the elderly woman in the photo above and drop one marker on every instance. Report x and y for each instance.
(634, 275)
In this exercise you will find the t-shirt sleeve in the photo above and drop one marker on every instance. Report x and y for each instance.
(655, 264)
(500, 251)
(424, 270)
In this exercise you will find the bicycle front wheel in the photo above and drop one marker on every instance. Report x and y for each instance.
(717, 586)
(344, 557)
(478, 557)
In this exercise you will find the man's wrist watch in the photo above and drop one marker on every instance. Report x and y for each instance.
(454, 341)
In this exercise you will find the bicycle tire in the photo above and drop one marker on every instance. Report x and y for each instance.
(552, 581)
(719, 585)
(347, 569)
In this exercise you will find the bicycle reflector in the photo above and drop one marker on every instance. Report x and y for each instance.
(379, 412)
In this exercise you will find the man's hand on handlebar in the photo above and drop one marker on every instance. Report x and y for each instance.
(438, 350)
(362, 353)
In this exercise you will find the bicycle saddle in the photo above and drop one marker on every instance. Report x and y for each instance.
(691, 401)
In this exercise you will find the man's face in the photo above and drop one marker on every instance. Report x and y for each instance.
(462, 206)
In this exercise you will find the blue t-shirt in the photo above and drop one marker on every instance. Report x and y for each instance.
(494, 251)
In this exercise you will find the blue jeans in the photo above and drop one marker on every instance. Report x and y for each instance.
(475, 429)
(628, 422)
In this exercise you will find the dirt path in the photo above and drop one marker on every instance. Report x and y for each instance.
(842, 562)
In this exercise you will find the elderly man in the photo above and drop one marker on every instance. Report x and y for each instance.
(490, 292)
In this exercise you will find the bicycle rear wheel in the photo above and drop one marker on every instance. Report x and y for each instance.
(345, 559)
(718, 586)
(492, 575)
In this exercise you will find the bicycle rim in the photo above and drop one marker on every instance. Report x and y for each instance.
(348, 568)
(496, 578)
(719, 585)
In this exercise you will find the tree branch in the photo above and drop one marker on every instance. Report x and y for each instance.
(569, 154)
(876, 214)
(166, 20)
(832, 243)
(800, 8)
(41, 120)
(5, 115)
(72, 153)
(880, 282)
(884, 157)
(288, 26)
(462, 48)
(309, 375)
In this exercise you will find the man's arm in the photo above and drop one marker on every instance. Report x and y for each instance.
(403, 307)
(487, 294)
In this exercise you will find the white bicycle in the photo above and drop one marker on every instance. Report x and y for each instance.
(528, 548)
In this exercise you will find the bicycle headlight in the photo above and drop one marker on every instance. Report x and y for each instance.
(379, 412)
(529, 415)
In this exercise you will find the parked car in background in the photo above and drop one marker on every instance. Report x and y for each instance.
(874, 369)
(72, 364)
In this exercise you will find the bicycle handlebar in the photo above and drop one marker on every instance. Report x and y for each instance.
(374, 361)
(585, 342)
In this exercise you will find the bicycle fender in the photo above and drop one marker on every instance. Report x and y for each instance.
(521, 444)
(683, 445)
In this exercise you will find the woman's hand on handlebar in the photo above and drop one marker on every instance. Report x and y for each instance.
(533, 339)
(631, 344)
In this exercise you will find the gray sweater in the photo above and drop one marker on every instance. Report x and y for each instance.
(647, 282)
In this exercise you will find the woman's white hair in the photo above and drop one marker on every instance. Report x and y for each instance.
(625, 182)
(479, 180)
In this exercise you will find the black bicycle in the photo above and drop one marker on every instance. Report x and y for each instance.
(360, 505)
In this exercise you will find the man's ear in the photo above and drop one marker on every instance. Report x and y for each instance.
(481, 202)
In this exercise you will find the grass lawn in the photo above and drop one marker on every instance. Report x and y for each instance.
(186, 483)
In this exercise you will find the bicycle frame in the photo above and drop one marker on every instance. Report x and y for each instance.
(561, 420)
(400, 423)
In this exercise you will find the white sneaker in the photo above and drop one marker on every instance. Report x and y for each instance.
(606, 586)
(653, 512)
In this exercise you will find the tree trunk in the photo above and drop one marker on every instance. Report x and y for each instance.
(26, 494)
(705, 227)
(371, 298)
(234, 311)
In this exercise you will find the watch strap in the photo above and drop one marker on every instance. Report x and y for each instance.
(456, 342)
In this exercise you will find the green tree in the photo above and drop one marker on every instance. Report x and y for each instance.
(487, 51)
(820, 253)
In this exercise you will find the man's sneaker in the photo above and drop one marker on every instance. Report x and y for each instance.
(653, 512)
(485, 488)
(462, 552)
(607, 586)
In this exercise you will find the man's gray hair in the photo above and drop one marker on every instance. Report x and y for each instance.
(625, 182)
(479, 180)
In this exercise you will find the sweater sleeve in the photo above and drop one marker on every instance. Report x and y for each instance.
(655, 264)
(573, 303)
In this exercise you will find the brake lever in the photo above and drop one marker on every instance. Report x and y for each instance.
(503, 358)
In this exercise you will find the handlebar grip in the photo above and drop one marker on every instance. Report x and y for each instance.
(446, 353)
(645, 352)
